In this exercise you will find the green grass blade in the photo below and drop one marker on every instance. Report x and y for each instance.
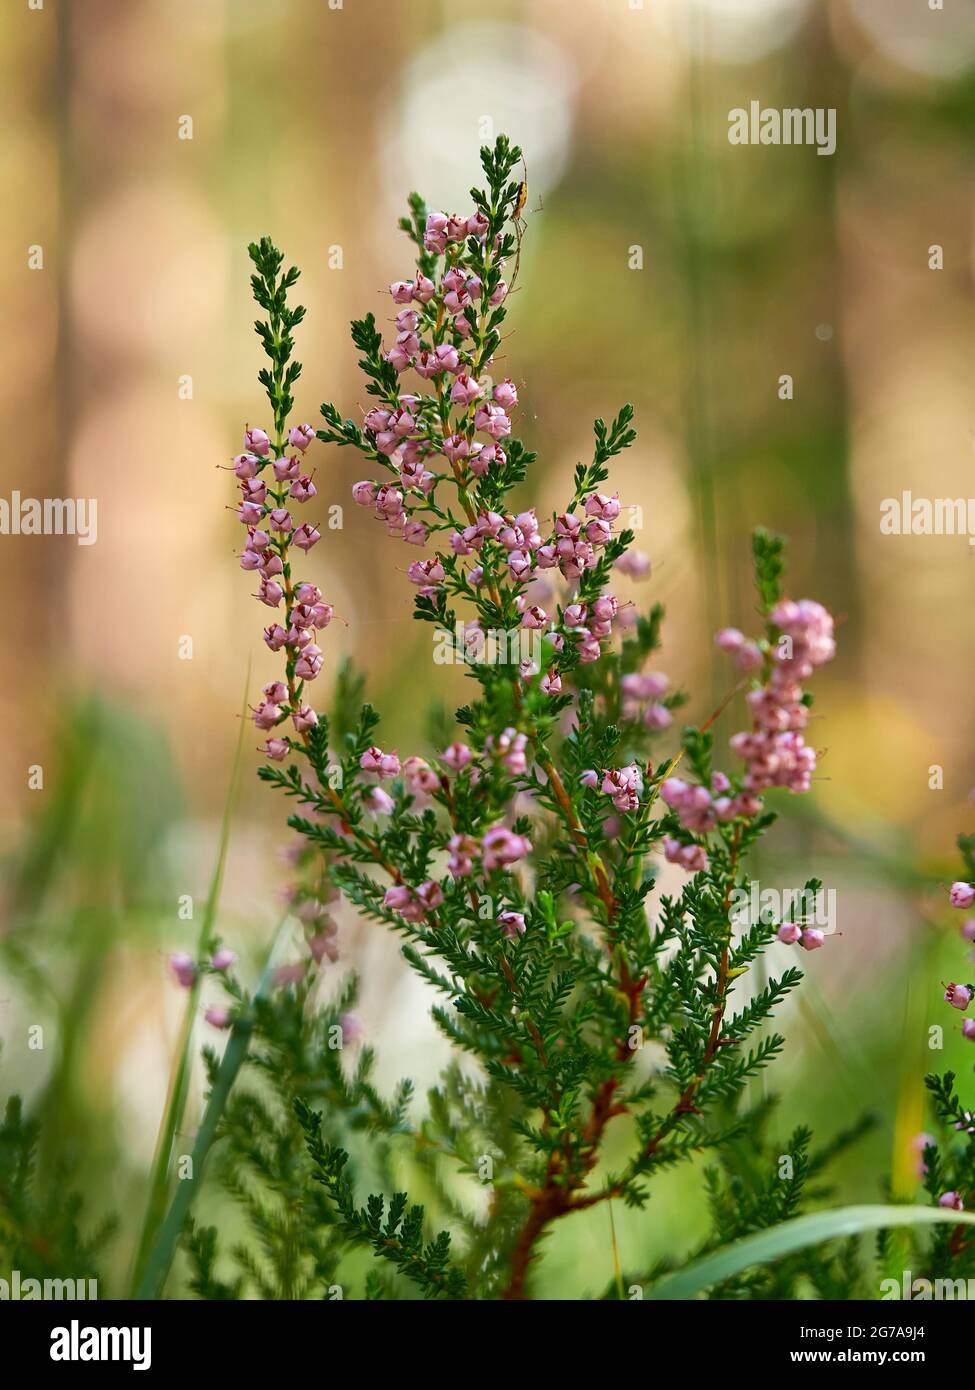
(161, 1254)
(790, 1236)
(183, 1064)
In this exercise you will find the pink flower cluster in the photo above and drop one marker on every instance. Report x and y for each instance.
(413, 904)
(271, 531)
(959, 996)
(499, 848)
(700, 810)
(642, 693)
(624, 785)
(809, 938)
(692, 858)
(774, 750)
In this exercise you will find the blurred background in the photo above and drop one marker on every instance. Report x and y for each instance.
(146, 142)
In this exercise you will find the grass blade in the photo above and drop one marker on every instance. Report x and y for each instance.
(183, 1064)
(798, 1234)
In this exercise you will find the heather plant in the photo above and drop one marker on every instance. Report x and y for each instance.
(517, 863)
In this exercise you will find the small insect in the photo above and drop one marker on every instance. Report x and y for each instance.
(518, 219)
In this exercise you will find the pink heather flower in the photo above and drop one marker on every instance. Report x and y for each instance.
(389, 500)
(275, 637)
(364, 493)
(305, 536)
(692, 858)
(506, 394)
(477, 225)
(301, 436)
(401, 291)
(465, 390)
(305, 718)
(351, 1026)
(512, 924)
(256, 442)
(217, 1016)
(456, 448)
(599, 532)
(729, 639)
(423, 289)
(951, 1200)
(421, 780)
(519, 565)
(184, 968)
(589, 778)
(223, 959)
(646, 685)
(276, 692)
(270, 592)
(245, 466)
(280, 519)
(378, 801)
(309, 663)
(812, 938)
(493, 420)
(286, 468)
(398, 897)
(499, 293)
(308, 594)
(634, 563)
(574, 615)
(748, 657)
(266, 715)
(457, 756)
(434, 236)
(604, 608)
(430, 894)
(501, 847)
(428, 573)
(250, 560)
(968, 929)
(962, 894)
(657, 718)
(302, 489)
(624, 786)
(789, 933)
(276, 749)
(375, 420)
(534, 617)
(551, 683)
(448, 358)
(968, 1029)
(463, 849)
(414, 533)
(254, 490)
(603, 508)
(456, 227)
(958, 996)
